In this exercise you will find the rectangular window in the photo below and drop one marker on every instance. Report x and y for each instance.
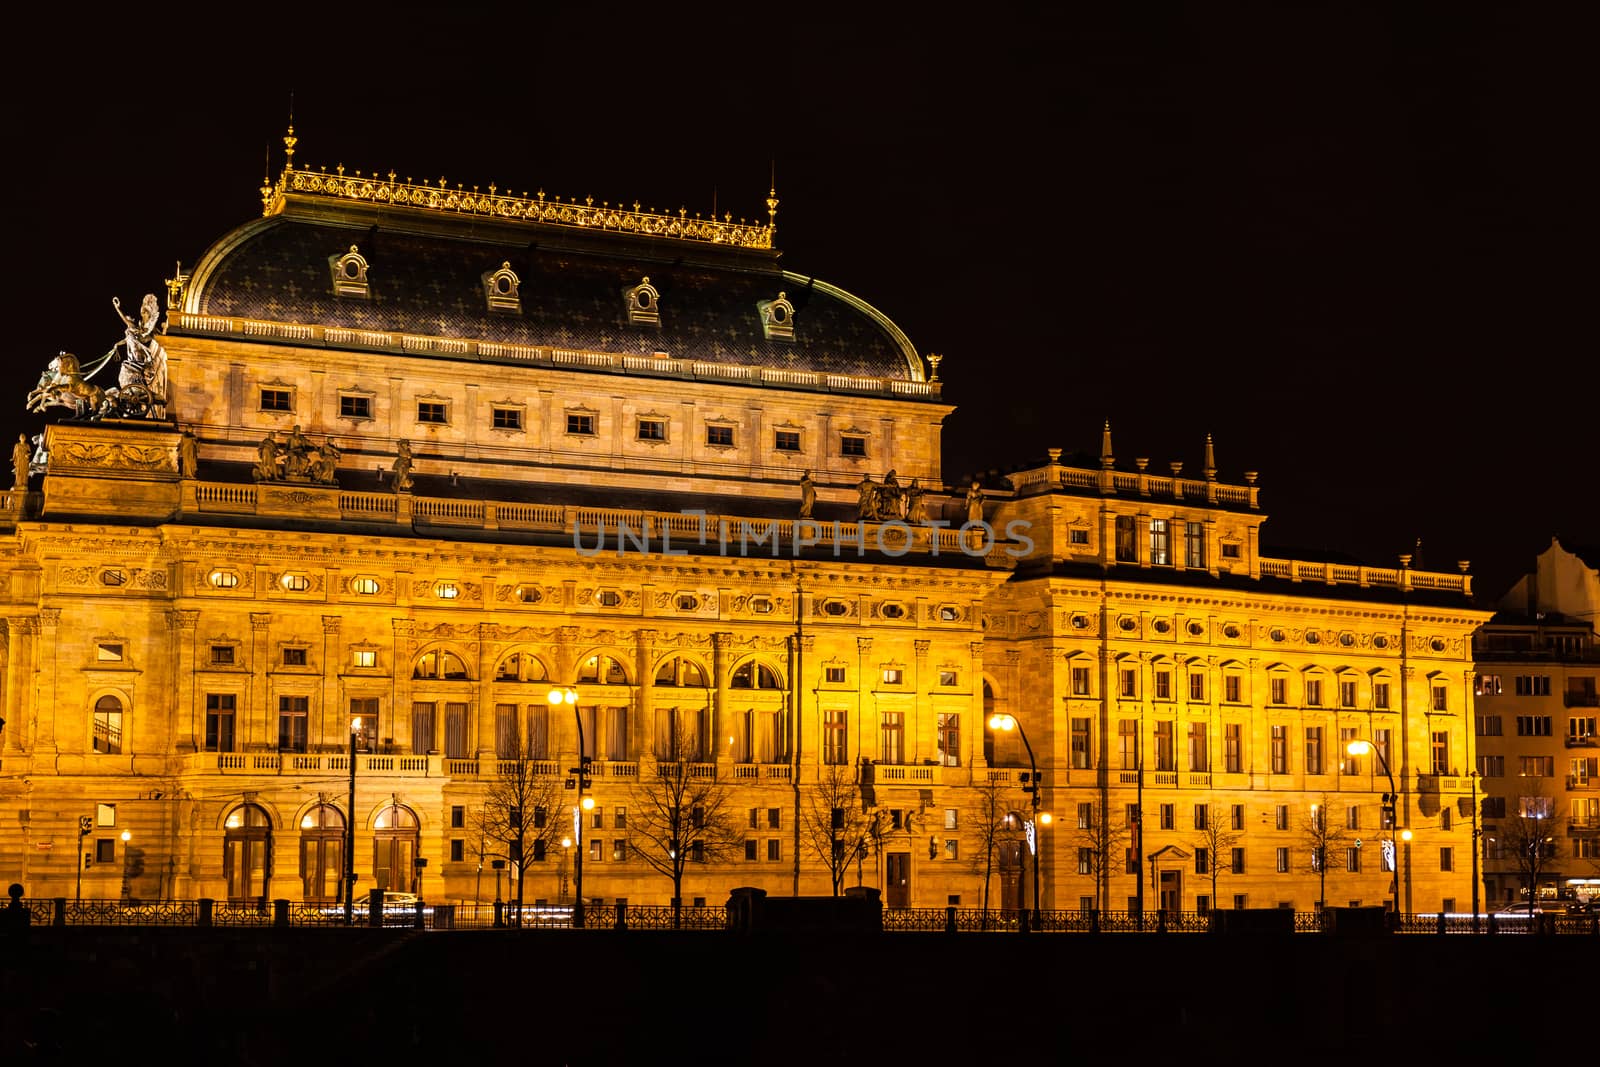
(1163, 685)
(1533, 685)
(949, 678)
(292, 719)
(952, 818)
(597, 850)
(1280, 750)
(1313, 750)
(893, 676)
(1160, 544)
(294, 657)
(455, 731)
(892, 737)
(364, 657)
(1313, 692)
(1352, 818)
(1167, 816)
(1492, 766)
(1202, 816)
(1232, 688)
(1278, 688)
(1199, 748)
(1533, 726)
(1080, 744)
(1200, 864)
(1078, 536)
(1444, 819)
(1538, 766)
(1283, 861)
(108, 726)
(774, 849)
(1166, 756)
(597, 818)
(851, 445)
(1130, 683)
(1441, 752)
(834, 739)
(433, 411)
(1380, 741)
(458, 816)
(1280, 817)
(833, 675)
(1197, 688)
(786, 440)
(458, 850)
(1127, 546)
(1352, 860)
(1085, 815)
(219, 721)
(1237, 857)
(1086, 862)
(1347, 694)
(422, 713)
(1230, 550)
(505, 418)
(949, 740)
(1380, 695)
(1441, 698)
(1194, 543)
(1233, 747)
(366, 710)
(1447, 858)
(1080, 681)
(1580, 729)
(355, 407)
(222, 655)
(106, 652)
(1130, 815)
(105, 850)
(1128, 742)
(1487, 685)
(277, 400)
(1238, 817)
(580, 425)
(719, 436)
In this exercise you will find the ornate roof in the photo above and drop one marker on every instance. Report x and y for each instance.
(427, 254)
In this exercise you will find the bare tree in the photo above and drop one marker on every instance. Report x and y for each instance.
(1105, 846)
(995, 827)
(520, 818)
(1219, 842)
(837, 825)
(1323, 839)
(1531, 838)
(681, 815)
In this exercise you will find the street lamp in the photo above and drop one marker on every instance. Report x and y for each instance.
(1360, 747)
(558, 696)
(85, 828)
(356, 727)
(1008, 723)
(127, 836)
(1476, 833)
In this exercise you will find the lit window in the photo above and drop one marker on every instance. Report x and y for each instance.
(108, 653)
(892, 675)
(224, 579)
(364, 586)
(295, 583)
(364, 657)
(447, 591)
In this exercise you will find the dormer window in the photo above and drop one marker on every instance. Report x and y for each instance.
(643, 304)
(350, 275)
(777, 318)
(501, 289)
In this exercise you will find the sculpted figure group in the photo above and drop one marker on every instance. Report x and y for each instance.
(141, 389)
(296, 459)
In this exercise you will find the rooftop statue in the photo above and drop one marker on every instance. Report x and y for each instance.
(141, 389)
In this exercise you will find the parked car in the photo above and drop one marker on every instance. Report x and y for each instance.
(1584, 907)
(1519, 911)
(392, 899)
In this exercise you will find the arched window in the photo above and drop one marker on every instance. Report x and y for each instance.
(601, 669)
(681, 671)
(394, 848)
(108, 725)
(521, 667)
(754, 674)
(443, 666)
(321, 853)
(247, 852)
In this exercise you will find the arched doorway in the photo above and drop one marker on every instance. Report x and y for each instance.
(321, 853)
(394, 848)
(247, 853)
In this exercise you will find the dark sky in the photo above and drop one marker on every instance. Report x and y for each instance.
(1343, 240)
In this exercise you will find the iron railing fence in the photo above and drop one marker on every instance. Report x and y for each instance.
(57, 911)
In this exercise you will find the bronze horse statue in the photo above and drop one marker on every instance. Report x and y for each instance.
(63, 385)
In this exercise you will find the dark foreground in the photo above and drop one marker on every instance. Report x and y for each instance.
(183, 996)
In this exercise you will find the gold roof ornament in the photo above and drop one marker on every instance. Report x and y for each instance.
(388, 190)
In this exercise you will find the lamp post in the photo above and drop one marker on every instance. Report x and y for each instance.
(1008, 723)
(127, 836)
(1360, 747)
(1475, 834)
(558, 696)
(350, 828)
(85, 828)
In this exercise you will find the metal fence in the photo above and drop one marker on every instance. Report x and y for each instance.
(60, 911)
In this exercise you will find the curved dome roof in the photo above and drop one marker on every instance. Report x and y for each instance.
(427, 278)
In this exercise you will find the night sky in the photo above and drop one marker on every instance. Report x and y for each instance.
(1344, 240)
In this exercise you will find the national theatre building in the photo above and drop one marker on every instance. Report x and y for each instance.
(431, 537)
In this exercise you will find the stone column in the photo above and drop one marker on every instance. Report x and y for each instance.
(399, 729)
(257, 726)
(721, 644)
(921, 732)
(21, 631)
(48, 668)
(489, 652)
(640, 724)
(863, 650)
(332, 725)
(974, 755)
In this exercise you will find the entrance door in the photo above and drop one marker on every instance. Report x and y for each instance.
(1172, 892)
(1010, 857)
(247, 853)
(897, 880)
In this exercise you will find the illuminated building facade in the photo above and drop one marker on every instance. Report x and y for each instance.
(411, 456)
(1539, 667)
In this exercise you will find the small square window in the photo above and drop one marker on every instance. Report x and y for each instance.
(355, 407)
(652, 430)
(1078, 537)
(1230, 551)
(108, 653)
(947, 677)
(294, 657)
(952, 848)
(850, 445)
(432, 411)
(786, 440)
(834, 675)
(364, 657)
(105, 850)
(277, 400)
(892, 675)
(719, 436)
(222, 655)
(505, 418)
(582, 425)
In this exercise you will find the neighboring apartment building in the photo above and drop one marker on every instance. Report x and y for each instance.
(402, 461)
(1538, 703)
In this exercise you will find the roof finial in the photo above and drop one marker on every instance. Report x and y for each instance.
(289, 141)
(934, 359)
(1106, 459)
(1211, 461)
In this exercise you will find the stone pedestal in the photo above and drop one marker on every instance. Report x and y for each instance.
(122, 469)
